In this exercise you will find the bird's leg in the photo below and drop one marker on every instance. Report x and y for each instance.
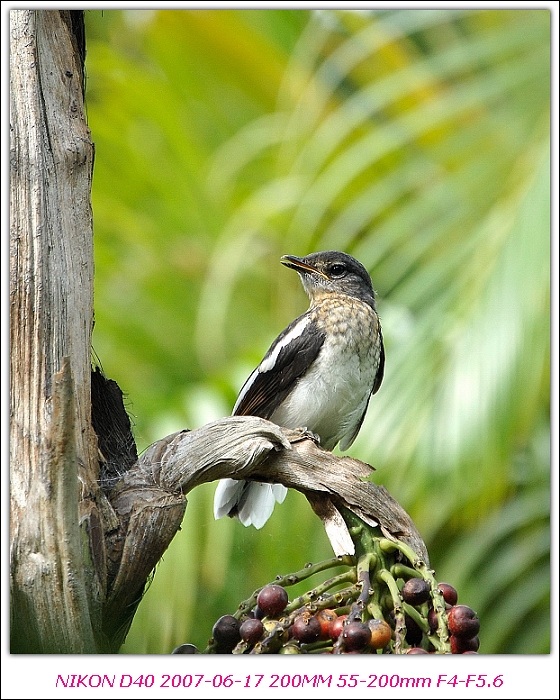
(304, 433)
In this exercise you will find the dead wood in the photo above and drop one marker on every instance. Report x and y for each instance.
(149, 501)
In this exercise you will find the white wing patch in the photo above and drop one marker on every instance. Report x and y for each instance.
(270, 359)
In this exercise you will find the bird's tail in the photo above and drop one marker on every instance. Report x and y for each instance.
(250, 501)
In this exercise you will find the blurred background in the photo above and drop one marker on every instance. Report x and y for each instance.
(417, 141)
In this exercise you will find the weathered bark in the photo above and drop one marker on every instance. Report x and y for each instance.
(51, 302)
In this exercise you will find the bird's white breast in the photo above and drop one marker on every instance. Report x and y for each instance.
(332, 396)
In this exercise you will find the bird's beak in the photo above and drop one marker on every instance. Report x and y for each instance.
(300, 265)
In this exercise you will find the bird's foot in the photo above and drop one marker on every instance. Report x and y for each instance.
(306, 434)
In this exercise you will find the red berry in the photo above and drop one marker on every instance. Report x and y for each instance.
(337, 627)
(459, 645)
(432, 620)
(416, 650)
(356, 636)
(449, 593)
(463, 622)
(326, 618)
(272, 600)
(416, 591)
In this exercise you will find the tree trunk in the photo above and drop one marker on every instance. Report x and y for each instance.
(88, 520)
(52, 447)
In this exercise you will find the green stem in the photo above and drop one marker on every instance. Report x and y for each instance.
(310, 596)
(400, 625)
(402, 571)
(291, 579)
(336, 599)
(440, 641)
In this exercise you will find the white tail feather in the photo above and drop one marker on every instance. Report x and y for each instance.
(253, 500)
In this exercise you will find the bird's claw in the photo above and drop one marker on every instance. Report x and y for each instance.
(306, 434)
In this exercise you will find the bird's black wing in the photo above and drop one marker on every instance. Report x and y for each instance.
(380, 367)
(287, 359)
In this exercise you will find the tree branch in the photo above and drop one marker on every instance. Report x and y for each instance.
(149, 501)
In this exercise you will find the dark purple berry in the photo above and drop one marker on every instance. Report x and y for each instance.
(185, 649)
(413, 631)
(432, 618)
(226, 632)
(356, 636)
(272, 600)
(251, 630)
(306, 629)
(416, 591)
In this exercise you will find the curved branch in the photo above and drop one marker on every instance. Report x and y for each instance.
(150, 498)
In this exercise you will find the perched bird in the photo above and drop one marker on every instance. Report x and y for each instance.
(318, 374)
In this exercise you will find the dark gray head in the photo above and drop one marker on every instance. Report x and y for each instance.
(332, 272)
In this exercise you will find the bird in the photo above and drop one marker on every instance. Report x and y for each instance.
(318, 374)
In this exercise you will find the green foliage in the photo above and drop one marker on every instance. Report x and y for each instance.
(416, 140)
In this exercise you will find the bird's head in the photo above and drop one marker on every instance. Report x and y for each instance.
(332, 272)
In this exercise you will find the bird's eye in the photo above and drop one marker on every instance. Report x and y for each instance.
(336, 269)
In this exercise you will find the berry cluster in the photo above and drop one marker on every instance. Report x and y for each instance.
(386, 600)
(462, 622)
(273, 626)
(268, 629)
